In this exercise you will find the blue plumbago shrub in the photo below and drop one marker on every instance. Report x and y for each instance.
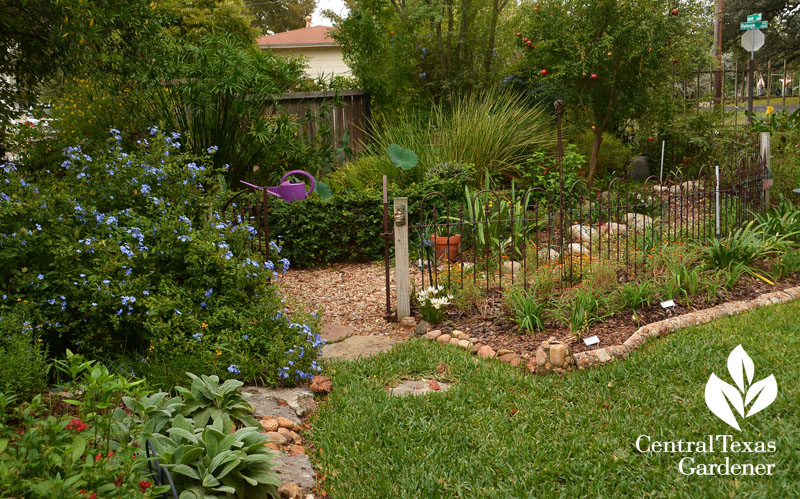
(126, 253)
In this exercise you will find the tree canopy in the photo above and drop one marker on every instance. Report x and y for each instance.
(608, 60)
(275, 16)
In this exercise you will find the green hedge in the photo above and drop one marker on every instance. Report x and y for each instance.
(346, 228)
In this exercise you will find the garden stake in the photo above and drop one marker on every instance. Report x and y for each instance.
(386, 236)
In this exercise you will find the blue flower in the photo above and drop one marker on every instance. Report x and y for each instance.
(145, 189)
(197, 336)
(40, 277)
(212, 149)
(233, 368)
(246, 336)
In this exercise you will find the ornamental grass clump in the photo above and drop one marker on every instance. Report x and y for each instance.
(432, 303)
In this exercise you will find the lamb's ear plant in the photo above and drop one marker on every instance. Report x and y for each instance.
(207, 399)
(215, 461)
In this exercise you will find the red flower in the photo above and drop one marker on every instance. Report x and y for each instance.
(110, 453)
(118, 481)
(93, 496)
(144, 485)
(77, 425)
(98, 457)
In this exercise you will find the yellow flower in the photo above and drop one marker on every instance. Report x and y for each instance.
(219, 352)
(770, 109)
(39, 339)
(204, 325)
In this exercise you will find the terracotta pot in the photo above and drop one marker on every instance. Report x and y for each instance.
(447, 246)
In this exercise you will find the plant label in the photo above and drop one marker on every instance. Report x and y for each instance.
(591, 340)
(668, 304)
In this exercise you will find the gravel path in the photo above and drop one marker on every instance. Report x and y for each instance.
(348, 294)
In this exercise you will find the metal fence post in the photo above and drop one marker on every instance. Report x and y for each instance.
(716, 202)
(765, 161)
(401, 257)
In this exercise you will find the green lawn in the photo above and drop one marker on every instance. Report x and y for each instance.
(571, 436)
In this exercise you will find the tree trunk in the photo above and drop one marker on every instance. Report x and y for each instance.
(598, 139)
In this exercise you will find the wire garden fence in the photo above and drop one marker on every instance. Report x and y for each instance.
(497, 239)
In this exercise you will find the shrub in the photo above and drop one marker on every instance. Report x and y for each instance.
(23, 357)
(613, 157)
(541, 171)
(126, 253)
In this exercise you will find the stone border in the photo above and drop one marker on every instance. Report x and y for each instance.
(592, 358)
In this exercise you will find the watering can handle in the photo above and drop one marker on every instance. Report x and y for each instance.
(301, 172)
(252, 186)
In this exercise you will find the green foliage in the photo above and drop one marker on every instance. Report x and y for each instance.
(44, 40)
(613, 157)
(638, 294)
(435, 50)
(746, 246)
(276, 16)
(541, 171)
(207, 399)
(221, 93)
(214, 461)
(528, 311)
(496, 225)
(492, 131)
(189, 22)
(628, 46)
(402, 158)
(781, 220)
(683, 281)
(432, 303)
(582, 310)
(23, 358)
(126, 254)
(88, 449)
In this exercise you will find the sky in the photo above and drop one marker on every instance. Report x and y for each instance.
(334, 5)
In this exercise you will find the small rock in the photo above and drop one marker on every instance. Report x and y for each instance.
(277, 438)
(321, 384)
(432, 335)
(444, 338)
(515, 362)
(583, 233)
(614, 228)
(408, 323)
(286, 423)
(270, 424)
(557, 355)
(457, 334)
(295, 450)
(637, 221)
(577, 249)
(547, 255)
(422, 328)
(296, 438)
(290, 491)
(272, 446)
(288, 434)
(512, 267)
(434, 385)
(532, 365)
(476, 347)
(503, 351)
(486, 352)
(464, 344)
(509, 357)
(473, 340)
(454, 341)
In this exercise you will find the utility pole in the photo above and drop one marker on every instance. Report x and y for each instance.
(718, 76)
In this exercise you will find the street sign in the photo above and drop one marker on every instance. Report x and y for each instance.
(754, 25)
(752, 40)
(753, 18)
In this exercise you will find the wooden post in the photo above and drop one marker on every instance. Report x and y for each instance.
(401, 258)
(765, 153)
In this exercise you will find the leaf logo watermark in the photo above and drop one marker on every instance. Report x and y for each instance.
(721, 396)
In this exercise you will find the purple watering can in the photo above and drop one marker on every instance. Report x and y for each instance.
(286, 190)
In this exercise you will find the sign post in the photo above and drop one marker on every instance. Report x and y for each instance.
(752, 40)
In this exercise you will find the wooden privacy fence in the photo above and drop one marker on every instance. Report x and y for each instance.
(346, 112)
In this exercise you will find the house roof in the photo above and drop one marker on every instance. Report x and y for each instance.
(315, 36)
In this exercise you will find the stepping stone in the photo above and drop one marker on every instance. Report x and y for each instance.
(335, 332)
(357, 346)
(299, 400)
(417, 387)
(268, 406)
(295, 469)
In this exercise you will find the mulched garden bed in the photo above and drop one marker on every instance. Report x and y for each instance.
(498, 331)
